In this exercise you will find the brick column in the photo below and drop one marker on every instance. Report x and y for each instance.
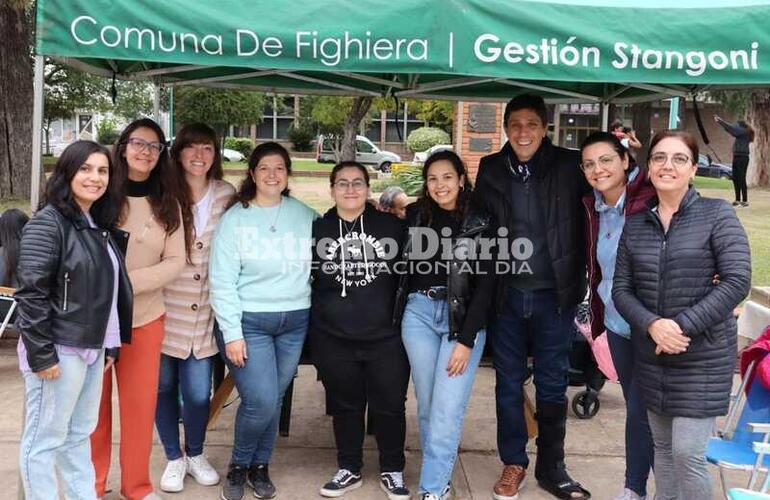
(478, 132)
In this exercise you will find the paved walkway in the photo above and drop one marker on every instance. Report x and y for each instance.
(306, 459)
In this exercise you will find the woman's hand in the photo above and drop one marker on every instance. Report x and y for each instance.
(458, 361)
(236, 352)
(51, 373)
(108, 362)
(668, 336)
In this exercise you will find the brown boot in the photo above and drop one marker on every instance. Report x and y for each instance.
(510, 482)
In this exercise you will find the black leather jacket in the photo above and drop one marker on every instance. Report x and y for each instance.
(66, 285)
(469, 296)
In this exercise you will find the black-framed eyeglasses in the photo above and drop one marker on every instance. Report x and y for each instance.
(140, 146)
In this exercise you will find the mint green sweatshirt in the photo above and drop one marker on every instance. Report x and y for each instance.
(260, 262)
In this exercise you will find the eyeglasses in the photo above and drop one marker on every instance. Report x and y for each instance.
(357, 185)
(604, 161)
(140, 146)
(678, 160)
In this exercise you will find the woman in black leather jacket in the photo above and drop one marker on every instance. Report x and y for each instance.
(448, 289)
(75, 304)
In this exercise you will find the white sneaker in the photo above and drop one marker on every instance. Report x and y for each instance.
(173, 477)
(629, 495)
(202, 471)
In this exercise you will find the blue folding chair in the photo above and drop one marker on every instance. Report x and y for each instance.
(761, 449)
(735, 451)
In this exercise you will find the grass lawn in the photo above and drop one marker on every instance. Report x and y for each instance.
(295, 164)
(315, 192)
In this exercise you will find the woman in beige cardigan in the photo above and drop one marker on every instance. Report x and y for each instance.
(189, 349)
(155, 257)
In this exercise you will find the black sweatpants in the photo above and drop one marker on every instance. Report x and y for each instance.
(740, 165)
(356, 374)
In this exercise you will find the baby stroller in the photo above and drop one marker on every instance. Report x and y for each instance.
(583, 369)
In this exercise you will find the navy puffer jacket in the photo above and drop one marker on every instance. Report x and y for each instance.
(670, 275)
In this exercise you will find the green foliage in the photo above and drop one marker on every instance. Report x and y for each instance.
(217, 108)
(409, 178)
(329, 113)
(107, 131)
(302, 135)
(133, 99)
(736, 102)
(425, 137)
(439, 114)
(241, 144)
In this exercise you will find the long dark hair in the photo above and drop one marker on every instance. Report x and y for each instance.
(196, 133)
(248, 189)
(165, 189)
(11, 223)
(427, 206)
(58, 191)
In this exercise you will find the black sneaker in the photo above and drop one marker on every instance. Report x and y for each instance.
(233, 486)
(392, 483)
(744, 203)
(259, 480)
(342, 482)
(736, 203)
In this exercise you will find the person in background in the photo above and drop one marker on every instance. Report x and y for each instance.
(156, 255)
(74, 310)
(445, 303)
(394, 200)
(620, 189)
(260, 292)
(744, 136)
(12, 222)
(683, 331)
(354, 344)
(188, 348)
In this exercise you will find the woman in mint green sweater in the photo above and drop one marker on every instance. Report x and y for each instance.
(260, 292)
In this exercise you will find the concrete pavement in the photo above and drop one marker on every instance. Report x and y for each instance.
(306, 459)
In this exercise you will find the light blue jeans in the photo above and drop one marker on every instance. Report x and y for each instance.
(274, 343)
(61, 415)
(441, 400)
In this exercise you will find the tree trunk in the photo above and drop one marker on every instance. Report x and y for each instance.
(15, 101)
(357, 112)
(759, 118)
(641, 114)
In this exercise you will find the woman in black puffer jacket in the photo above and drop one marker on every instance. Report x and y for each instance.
(683, 330)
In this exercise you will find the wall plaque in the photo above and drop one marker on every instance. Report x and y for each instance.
(482, 118)
(480, 144)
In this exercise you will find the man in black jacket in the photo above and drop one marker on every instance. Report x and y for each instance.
(533, 190)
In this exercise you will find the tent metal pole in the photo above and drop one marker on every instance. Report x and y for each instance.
(37, 136)
(556, 123)
(605, 115)
(156, 101)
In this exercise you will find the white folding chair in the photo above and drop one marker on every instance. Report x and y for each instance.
(7, 307)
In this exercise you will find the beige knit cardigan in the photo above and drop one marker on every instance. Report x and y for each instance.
(189, 318)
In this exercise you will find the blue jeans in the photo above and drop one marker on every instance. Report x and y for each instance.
(274, 343)
(61, 415)
(639, 449)
(193, 377)
(441, 400)
(529, 323)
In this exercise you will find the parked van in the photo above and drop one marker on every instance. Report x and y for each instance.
(366, 153)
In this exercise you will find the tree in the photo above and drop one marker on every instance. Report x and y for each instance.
(218, 108)
(439, 114)
(759, 117)
(338, 119)
(67, 91)
(15, 98)
(133, 99)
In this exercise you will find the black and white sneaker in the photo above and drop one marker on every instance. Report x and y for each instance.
(392, 483)
(232, 489)
(259, 480)
(342, 482)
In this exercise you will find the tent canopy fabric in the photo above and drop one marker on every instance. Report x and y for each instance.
(565, 50)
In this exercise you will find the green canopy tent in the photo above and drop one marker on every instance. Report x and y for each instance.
(565, 50)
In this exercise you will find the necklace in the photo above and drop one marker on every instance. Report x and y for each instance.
(272, 226)
(349, 229)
